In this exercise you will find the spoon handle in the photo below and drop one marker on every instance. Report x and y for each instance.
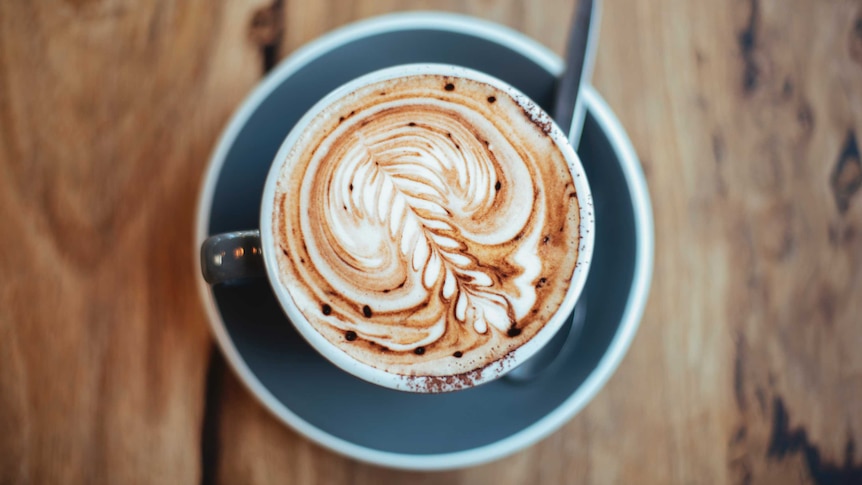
(569, 110)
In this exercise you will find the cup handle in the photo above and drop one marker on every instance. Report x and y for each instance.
(232, 257)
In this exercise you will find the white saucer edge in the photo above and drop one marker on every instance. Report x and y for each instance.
(643, 260)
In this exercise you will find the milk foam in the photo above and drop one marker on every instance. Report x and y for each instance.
(438, 225)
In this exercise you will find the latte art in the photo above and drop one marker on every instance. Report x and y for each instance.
(403, 203)
(427, 226)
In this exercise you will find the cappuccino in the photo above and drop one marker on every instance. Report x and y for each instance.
(427, 225)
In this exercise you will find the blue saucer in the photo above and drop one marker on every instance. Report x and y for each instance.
(390, 427)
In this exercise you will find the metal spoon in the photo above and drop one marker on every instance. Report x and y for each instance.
(569, 110)
(569, 113)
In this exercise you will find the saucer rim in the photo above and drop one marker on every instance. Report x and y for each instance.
(629, 164)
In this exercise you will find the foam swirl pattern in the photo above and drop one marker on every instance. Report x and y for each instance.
(427, 226)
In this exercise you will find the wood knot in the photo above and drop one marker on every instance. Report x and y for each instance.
(267, 27)
(846, 177)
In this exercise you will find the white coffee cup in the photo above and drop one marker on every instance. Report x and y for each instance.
(235, 256)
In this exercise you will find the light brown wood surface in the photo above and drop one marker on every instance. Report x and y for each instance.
(747, 115)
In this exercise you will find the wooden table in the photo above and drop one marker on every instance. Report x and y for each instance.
(747, 368)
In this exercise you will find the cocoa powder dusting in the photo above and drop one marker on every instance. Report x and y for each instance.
(457, 382)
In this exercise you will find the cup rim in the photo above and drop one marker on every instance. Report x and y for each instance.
(635, 180)
(426, 384)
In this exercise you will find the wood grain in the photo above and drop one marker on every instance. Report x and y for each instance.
(747, 368)
(108, 111)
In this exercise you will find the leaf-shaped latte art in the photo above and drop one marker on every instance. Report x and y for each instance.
(401, 183)
(429, 222)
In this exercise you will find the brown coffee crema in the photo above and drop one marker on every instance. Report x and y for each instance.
(427, 225)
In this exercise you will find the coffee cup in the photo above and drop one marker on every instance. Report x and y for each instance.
(424, 227)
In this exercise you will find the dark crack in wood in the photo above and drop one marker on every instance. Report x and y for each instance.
(747, 41)
(855, 40)
(785, 442)
(210, 436)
